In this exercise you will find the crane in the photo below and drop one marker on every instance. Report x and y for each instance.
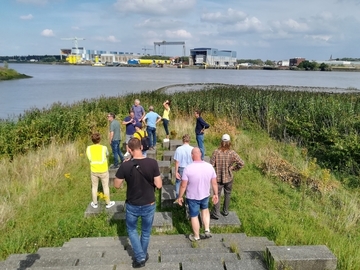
(146, 49)
(75, 39)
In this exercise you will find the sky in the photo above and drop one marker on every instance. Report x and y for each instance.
(255, 29)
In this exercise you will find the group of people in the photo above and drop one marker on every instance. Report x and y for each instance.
(194, 176)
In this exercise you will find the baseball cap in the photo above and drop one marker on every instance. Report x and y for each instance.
(138, 124)
(225, 138)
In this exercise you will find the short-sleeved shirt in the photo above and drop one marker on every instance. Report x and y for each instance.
(166, 114)
(130, 128)
(140, 185)
(183, 155)
(115, 127)
(142, 133)
(151, 118)
(199, 175)
(138, 111)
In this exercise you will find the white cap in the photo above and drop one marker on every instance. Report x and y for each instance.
(225, 138)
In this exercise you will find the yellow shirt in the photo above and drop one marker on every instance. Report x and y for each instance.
(142, 133)
(166, 114)
(97, 155)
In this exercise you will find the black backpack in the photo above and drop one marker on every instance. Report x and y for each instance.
(145, 141)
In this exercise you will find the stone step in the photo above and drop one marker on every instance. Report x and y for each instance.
(173, 144)
(118, 207)
(230, 220)
(164, 167)
(151, 154)
(301, 257)
(246, 265)
(201, 257)
(167, 178)
(89, 267)
(168, 155)
(208, 265)
(168, 196)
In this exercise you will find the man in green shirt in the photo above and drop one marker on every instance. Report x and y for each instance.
(115, 140)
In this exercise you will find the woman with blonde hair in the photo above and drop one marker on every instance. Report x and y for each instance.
(166, 118)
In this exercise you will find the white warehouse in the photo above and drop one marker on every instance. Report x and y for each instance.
(212, 57)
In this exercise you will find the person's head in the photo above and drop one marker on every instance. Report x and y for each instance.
(225, 142)
(111, 116)
(186, 138)
(134, 144)
(137, 102)
(131, 113)
(95, 137)
(197, 113)
(151, 108)
(196, 154)
(138, 126)
(168, 102)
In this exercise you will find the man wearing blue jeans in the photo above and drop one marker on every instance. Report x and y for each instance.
(182, 158)
(200, 127)
(115, 139)
(196, 180)
(152, 118)
(140, 202)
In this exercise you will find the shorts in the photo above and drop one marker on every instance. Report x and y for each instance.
(127, 138)
(196, 205)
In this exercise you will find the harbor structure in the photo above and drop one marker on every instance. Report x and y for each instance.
(212, 57)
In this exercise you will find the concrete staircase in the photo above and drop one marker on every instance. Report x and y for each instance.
(223, 251)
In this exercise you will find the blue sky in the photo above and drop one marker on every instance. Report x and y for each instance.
(265, 29)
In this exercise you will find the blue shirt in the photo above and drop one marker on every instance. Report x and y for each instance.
(200, 125)
(183, 155)
(151, 118)
(130, 128)
(138, 111)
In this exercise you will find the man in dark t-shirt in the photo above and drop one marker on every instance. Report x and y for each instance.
(142, 176)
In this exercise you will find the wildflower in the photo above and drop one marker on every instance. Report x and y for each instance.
(67, 175)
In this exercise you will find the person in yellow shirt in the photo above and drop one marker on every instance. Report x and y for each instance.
(97, 155)
(166, 119)
(139, 134)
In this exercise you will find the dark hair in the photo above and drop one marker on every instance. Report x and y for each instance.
(198, 112)
(95, 137)
(112, 115)
(131, 111)
(169, 102)
(134, 144)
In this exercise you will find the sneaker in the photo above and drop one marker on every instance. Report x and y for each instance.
(94, 205)
(110, 204)
(114, 166)
(166, 140)
(208, 234)
(136, 264)
(212, 216)
(147, 257)
(225, 213)
(127, 155)
(192, 238)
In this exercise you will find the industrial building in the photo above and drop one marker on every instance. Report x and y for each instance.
(212, 57)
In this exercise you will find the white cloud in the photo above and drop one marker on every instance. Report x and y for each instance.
(231, 16)
(159, 23)
(321, 38)
(110, 38)
(35, 2)
(178, 34)
(155, 7)
(75, 27)
(27, 17)
(47, 33)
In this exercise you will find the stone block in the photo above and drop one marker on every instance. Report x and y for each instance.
(175, 144)
(151, 154)
(168, 196)
(166, 145)
(301, 257)
(166, 179)
(230, 220)
(162, 221)
(164, 167)
(118, 207)
(168, 155)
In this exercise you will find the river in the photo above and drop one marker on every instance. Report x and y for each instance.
(67, 84)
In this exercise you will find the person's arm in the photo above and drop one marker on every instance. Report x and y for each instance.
(158, 119)
(124, 122)
(143, 115)
(111, 136)
(166, 105)
(204, 124)
(213, 159)
(158, 182)
(118, 182)
(214, 185)
(238, 163)
(182, 191)
(177, 174)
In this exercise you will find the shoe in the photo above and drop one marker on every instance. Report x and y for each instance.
(192, 238)
(147, 257)
(127, 155)
(114, 166)
(208, 234)
(110, 204)
(212, 216)
(136, 264)
(94, 205)
(176, 201)
(225, 213)
(166, 140)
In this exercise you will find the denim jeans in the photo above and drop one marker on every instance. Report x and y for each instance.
(178, 181)
(151, 131)
(139, 244)
(115, 147)
(200, 143)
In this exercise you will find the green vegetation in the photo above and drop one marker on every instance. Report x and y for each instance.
(293, 190)
(10, 74)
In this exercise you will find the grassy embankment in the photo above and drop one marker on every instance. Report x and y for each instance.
(10, 74)
(282, 193)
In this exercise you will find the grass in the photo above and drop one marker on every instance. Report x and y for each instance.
(45, 192)
(9, 74)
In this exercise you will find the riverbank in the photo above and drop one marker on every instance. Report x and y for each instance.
(11, 74)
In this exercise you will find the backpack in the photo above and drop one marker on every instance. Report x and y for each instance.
(145, 141)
